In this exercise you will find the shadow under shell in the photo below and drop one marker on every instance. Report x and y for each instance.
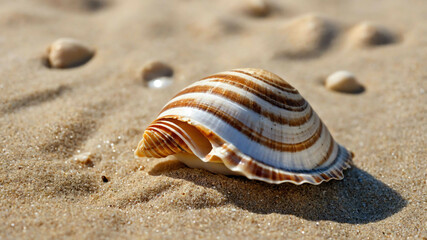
(358, 199)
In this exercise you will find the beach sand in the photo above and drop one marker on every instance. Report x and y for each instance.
(67, 168)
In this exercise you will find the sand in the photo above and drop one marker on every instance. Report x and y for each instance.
(67, 168)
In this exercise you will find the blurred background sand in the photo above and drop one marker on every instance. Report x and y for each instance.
(67, 135)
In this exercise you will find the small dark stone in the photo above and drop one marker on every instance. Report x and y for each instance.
(104, 178)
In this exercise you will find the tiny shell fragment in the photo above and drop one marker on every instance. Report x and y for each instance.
(68, 52)
(84, 159)
(343, 81)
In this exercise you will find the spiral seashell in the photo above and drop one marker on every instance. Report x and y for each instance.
(246, 122)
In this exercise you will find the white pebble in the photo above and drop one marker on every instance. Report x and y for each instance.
(68, 52)
(343, 81)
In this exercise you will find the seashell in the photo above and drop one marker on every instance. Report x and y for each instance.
(246, 122)
(343, 81)
(68, 52)
(367, 34)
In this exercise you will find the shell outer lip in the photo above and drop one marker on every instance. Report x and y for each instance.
(304, 177)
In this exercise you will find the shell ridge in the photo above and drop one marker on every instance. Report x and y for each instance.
(253, 151)
(281, 161)
(175, 141)
(316, 176)
(164, 147)
(191, 100)
(191, 146)
(148, 141)
(263, 86)
(302, 132)
(231, 90)
(241, 127)
(236, 161)
(282, 85)
(254, 86)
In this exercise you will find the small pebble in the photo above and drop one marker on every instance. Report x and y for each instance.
(367, 34)
(257, 8)
(156, 74)
(84, 159)
(307, 35)
(68, 52)
(343, 81)
(104, 178)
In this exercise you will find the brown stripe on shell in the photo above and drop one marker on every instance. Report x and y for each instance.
(182, 144)
(148, 140)
(262, 92)
(253, 167)
(328, 153)
(277, 83)
(337, 174)
(317, 178)
(173, 138)
(154, 145)
(324, 175)
(246, 102)
(257, 170)
(171, 143)
(160, 138)
(160, 141)
(161, 146)
(274, 174)
(245, 130)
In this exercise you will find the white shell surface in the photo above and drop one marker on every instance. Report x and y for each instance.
(255, 124)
